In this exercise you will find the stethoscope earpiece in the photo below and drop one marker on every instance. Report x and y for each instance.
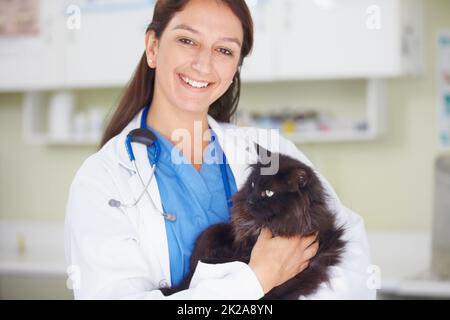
(142, 135)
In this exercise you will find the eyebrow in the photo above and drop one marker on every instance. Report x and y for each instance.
(188, 28)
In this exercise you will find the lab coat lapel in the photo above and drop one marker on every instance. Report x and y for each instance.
(152, 229)
(240, 152)
(151, 224)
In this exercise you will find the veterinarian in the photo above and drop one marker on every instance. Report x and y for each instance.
(136, 206)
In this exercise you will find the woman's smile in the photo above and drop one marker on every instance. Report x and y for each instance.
(195, 85)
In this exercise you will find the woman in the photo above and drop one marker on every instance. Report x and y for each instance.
(128, 234)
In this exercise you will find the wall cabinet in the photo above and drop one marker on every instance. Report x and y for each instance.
(98, 43)
(79, 44)
(31, 61)
(294, 40)
(106, 49)
(319, 39)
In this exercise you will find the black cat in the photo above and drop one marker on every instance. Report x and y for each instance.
(289, 203)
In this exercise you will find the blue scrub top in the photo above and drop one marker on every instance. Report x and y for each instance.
(197, 198)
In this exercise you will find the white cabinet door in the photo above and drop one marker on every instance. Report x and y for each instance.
(29, 51)
(293, 39)
(106, 49)
(259, 66)
(343, 38)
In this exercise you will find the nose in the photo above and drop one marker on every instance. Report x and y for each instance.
(202, 62)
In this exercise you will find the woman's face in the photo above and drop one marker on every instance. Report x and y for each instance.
(197, 56)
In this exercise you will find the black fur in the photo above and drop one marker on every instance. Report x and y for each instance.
(297, 207)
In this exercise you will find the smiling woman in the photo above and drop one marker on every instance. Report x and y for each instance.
(196, 63)
(173, 31)
(187, 80)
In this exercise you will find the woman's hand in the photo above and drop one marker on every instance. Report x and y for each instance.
(275, 260)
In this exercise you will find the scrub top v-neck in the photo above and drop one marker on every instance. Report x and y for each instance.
(197, 198)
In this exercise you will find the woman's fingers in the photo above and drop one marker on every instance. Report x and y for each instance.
(309, 253)
(277, 259)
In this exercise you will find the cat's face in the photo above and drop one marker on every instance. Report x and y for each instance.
(268, 195)
(282, 202)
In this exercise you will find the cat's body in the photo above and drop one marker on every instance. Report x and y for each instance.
(291, 202)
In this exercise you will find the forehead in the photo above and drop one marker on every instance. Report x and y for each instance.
(268, 179)
(281, 176)
(209, 17)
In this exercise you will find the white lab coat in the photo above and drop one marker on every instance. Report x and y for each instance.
(115, 253)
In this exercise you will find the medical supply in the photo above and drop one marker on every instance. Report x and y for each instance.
(79, 125)
(61, 109)
(95, 123)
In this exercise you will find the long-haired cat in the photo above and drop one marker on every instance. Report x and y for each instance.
(291, 202)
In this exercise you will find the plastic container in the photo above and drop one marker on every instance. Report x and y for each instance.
(61, 107)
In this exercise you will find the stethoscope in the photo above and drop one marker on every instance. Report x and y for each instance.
(146, 137)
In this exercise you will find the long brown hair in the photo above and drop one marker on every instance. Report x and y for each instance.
(139, 91)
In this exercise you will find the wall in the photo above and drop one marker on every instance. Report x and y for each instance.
(388, 181)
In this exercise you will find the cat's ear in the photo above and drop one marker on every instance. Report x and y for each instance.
(263, 153)
(299, 178)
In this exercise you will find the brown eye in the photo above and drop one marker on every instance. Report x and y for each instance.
(226, 52)
(186, 41)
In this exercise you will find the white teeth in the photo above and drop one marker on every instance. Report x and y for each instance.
(195, 83)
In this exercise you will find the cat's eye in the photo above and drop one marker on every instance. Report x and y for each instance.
(269, 193)
(253, 184)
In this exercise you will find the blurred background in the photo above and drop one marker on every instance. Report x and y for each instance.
(362, 87)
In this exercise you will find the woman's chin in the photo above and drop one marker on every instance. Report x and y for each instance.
(193, 108)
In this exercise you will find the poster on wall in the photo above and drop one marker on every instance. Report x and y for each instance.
(444, 89)
(19, 18)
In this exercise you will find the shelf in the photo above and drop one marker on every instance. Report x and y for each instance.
(370, 128)
(43, 139)
(36, 264)
(36, 117)
(73, 142)
(405, 266)
(331, 136)
(32, 248)
(416, 288)
(37, 122)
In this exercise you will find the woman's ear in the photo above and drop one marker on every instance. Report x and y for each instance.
(151, 48)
